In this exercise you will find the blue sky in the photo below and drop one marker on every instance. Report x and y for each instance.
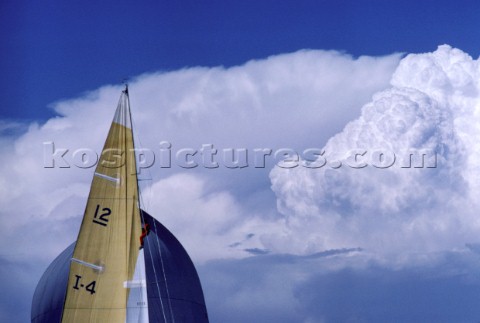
(271, 244)
(54, 50)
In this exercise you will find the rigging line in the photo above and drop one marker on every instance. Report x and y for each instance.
(143, 219)
(165, 276)
(156, 277)
(133, 130)
(137, 138)
(142, 273)
(158, 243)
(136, 135)
(125, 107)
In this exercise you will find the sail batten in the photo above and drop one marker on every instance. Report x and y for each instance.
(109, 178)
(93, 266)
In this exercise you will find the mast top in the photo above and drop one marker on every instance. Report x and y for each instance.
(126, 89)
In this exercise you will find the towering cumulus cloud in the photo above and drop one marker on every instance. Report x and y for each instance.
(384, 197)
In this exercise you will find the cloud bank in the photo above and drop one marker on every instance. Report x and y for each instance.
(277, 238)
(276, 102)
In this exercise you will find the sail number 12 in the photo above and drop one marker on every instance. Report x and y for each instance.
(89, 288)
(101, 218)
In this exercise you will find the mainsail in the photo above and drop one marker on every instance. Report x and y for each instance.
(125, 266)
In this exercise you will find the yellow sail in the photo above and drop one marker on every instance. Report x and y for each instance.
(108, 242)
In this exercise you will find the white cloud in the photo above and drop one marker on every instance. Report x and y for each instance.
(432, 105)
(210, 225)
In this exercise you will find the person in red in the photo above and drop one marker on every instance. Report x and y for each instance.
(145, 231)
